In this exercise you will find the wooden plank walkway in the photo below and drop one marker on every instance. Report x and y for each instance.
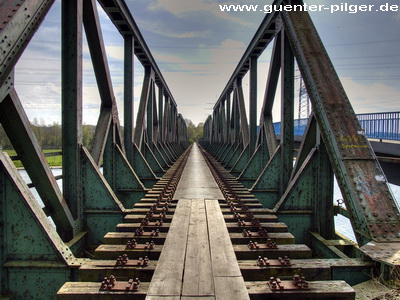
(193, 256)
(167, 278)
(202, 263)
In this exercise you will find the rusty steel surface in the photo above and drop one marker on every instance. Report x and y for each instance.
(110, 283)
(298, 283)
(19, 21)
(134, 245)
(268, 245)
(373, 211)
(265, 262)
(387, 253)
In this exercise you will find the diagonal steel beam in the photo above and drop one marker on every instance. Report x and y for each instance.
(148, 82)
(371, 206)
(19, 20)
(244, 125)
(120, 15)
(103, 77)
(16, 124)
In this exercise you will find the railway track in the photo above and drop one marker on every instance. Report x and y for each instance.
(199, 234)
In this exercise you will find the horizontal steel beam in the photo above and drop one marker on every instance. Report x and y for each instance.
(18, 23)
(258, 44)
(122, 18)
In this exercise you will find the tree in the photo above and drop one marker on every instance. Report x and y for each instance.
(194, 133)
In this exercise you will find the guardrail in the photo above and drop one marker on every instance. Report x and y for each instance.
(383, 125)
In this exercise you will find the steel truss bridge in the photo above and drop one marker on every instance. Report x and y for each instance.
(230, 218)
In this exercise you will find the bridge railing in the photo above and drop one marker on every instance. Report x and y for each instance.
(382, 125)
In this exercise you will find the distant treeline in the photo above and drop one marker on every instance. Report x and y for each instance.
(49, 136)
(194, 133)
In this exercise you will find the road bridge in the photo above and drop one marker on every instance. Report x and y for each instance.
(143, 214)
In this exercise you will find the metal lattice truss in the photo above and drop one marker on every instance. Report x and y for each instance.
(92, 202)
(334, 142)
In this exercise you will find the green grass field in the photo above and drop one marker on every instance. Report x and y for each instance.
(54, 161)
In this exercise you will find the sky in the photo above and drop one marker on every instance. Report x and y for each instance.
(197, 48)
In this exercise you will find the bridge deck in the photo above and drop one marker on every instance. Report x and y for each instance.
(202, 242)
(198, 257)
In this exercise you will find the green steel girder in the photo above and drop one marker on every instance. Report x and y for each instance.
(71, 104)
(151, 122)
(287, 111)
(145, 96)
(228, 117)
(265, 33)
(266, 187)
(159, 166)
(343, 149)
(266, 139)
(224, 124)
(18, 129)
(128, 101)
(108, 111)
(102, 209)
(310, 196)
(27, 232)
(221, 150)
(241, 161)
(19, 20)
(160, 113)
(142, 168)
(322, 249)
(177, 150)
(228, 153)
(102, 130)
(252, 104)
(243, 125)
(162, 157)
(165, 155)
(232, 155)
(373, 211)
(120, 175)
(34, 261)
(254, 166)
(119, 14)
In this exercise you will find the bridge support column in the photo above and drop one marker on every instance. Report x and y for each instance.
(34, 261)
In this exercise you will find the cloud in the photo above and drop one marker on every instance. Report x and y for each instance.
(183, 35)
(368, 98)
(182, 9)
(115, 52)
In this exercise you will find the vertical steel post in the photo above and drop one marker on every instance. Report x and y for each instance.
(72, 102)
(228, 118)
(235, 114)
(253, 104)
(166, 120)
(161, 113)
(223, 122)
(128, 96)
(287, 111)
(149, 117)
